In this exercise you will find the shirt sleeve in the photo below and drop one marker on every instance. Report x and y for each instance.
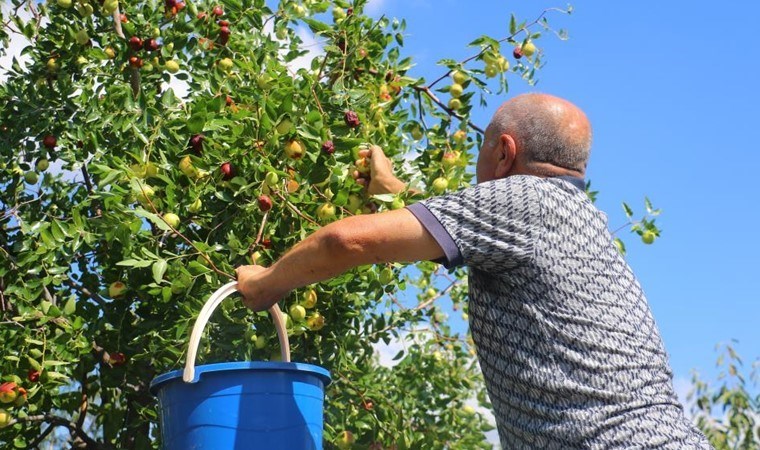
(490, 226)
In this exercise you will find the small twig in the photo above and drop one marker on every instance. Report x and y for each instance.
(260, 233)
(426, 90)
(427, 303)
(184, 238)
(296, 210)
(510, 37)
(117, 23)
(95, 297)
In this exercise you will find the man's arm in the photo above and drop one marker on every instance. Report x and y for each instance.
(394, 236)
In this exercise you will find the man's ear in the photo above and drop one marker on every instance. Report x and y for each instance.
(507, 155)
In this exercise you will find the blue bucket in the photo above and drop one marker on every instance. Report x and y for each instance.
(241, 405)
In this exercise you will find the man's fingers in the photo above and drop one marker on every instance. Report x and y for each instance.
(365, 153)
(361, 182)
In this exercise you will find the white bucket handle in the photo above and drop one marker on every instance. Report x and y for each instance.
(200, 323)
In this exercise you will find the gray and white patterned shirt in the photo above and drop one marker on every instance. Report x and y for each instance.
(569, 349)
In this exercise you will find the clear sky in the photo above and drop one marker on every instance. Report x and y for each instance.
(671, 90)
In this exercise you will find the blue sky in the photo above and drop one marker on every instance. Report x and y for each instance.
(671, 90)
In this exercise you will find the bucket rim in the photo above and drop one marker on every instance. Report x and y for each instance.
(321, 372)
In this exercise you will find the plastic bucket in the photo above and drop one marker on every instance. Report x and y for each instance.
(241, 405)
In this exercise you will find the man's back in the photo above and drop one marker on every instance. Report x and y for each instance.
(569, 349)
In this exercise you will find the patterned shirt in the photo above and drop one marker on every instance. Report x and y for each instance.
(569, 350)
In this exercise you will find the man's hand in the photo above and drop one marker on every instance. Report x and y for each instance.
(381, 179)
(254, 288)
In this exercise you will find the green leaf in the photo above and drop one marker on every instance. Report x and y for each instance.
(159, 268)
(196, 123)
(512, 24)
(134, 263)
(70, 307)
(628, 210)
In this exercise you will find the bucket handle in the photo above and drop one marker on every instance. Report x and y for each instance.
(200, 323)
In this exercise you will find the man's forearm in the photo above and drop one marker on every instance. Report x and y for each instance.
(393, 236)
(320, 256)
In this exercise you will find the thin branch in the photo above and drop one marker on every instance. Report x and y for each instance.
(80, 288)
(117, 23)
(427, 303)
(508, 38)
(260, 233)
(426, 90)
(296, 210)
(177, 232)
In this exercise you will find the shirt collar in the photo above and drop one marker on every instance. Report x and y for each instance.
(580, 183)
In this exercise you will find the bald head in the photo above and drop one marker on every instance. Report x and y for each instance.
(551, 135)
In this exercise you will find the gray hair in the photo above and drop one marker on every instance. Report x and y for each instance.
(546, 129)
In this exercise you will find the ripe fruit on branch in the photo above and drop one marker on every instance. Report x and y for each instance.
(456, 90)
(354, 203)
(53, 65)
(151, 45)
(265, 203)
(135, 62)
(338, 14)
(65, 4)
(271, 179)
(648, 237)
(145, 194)
(31, 177)
(172, 66)
(362, 166)
(309, 299)
(455, 104)
(8, 392)
(261, 342)
(224, 35)
(117, 359)
(459, 136)
(491, 70)
(328, 147)
(449, 159)
(21, 399)
(228, 171)
(226, 64)
(5, 418)
(135, 43)
(223, 23)
(117, 289)
(517, 52)
(416, 133)
(440, 185)
(315, 322)
(326, 212)
(459, 77)
(187, 168)
(386, 276)
(528, 48)
(284, 126)
(82, 37)
(292, 186)
(345, 440)
(33, 375)
(218, 11)
(293, 149)
(110, 52)
(297, 313)
(196, 143)
(351, 119)
(171, 219)
(195, 206)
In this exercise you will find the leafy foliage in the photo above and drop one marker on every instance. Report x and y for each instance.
(124, 203)
(729, 413)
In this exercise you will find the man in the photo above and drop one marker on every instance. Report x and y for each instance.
(570, 353)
